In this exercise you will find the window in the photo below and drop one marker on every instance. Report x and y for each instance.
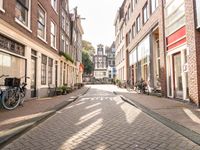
(145, 13)
(66, 6)
(54, 4)
(133, 4)
(63, 43)
(44, 70)
(138, 25)
(135, 1)
(50, 71)
(61, 72)
(198, 13)
(133, 30)
(67, 47)
(64, 74)
(22, 11)
(126, 18)
(53, 35)
(144, 66)
(67, 26)
(1, 5)
(129, 12)
(154, 5)
(41, 31)
(129, 36)
(158, 59)
(11, 65)
(63, 21)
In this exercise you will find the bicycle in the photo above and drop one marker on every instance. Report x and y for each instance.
(14, 95)
(1, 91)
(141, 87)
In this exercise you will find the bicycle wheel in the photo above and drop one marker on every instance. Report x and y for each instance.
(11, 99)
(22, 96)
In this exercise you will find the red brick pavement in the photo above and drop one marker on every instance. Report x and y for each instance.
(32, 109)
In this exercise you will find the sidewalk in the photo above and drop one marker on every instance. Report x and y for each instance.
(34, 111)
(182, 117)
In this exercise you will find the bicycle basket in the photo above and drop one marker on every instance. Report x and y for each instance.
(14, 82)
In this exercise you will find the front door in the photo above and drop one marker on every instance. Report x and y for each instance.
(33, 76)
(178, 85)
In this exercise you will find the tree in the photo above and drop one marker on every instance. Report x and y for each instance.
(87, 46)
(88, 64)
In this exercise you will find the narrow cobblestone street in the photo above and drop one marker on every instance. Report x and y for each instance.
(101, 120)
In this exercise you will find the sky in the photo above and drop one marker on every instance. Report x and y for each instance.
(99, 23)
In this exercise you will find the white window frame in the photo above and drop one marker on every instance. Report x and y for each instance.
(63, 43)
(154, 5)
(45, 26)
(28, 27)
(138, 23)
(55, 30)
(54, 4)
(66, 47)
(1, 6)
(197, 2)
(145, 13)
(63, 20)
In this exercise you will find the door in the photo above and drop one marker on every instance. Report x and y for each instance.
(178, 85)
(33, 77)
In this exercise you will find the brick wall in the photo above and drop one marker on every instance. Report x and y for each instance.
(155, 20)
(193, 40)
(9, 17)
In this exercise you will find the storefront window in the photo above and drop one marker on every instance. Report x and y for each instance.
(50, 71)
(12, 66)
(144, 69)
(44, 70)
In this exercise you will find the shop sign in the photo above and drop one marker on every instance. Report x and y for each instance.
(11, 45)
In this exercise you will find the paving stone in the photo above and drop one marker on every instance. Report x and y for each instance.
(115, 125)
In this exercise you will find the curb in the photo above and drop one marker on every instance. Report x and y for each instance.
(27, 125)
(186, 132)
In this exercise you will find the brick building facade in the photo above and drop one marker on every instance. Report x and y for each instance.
(161, 45)
(30, 43)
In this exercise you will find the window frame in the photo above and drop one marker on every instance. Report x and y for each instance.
(197, 11)
(63, 43)
(138, 24)
(133, 31)
(50, 71)
(155, 4)
(63, 22)
(45, 22)
(44, 70)
(1, 6)
(53, 35)
(145, 13)
(28, 26)
(54, 5)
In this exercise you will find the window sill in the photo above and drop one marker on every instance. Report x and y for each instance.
(27, 28)
(2, 10)
(44, 40)
(54, 48)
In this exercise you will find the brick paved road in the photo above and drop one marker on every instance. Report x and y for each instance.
(101, 120)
